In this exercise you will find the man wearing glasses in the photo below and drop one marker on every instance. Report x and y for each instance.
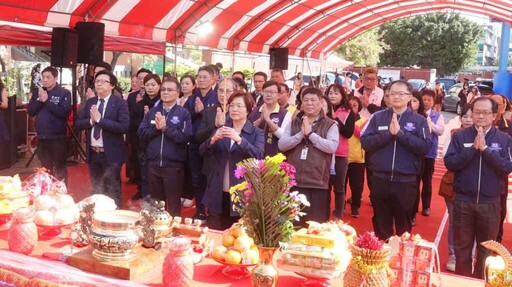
(271, 117)
(370, 94)
(396, 140)
(106, 119)
(480, 157)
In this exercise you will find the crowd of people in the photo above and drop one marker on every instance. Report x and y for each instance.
(185, 137)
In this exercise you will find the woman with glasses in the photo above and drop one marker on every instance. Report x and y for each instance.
(344, 116)
(167, 129)
(235, 141)
(271, 117)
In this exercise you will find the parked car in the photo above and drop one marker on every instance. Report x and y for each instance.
(448, 83)
(417, 84)
(452, 96)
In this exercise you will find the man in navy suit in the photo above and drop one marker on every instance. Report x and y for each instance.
(106, 120)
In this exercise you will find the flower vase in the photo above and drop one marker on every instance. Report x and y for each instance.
(22, 236)
(265, 273)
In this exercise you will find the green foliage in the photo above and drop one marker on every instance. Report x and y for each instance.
(446, 42)
(364, 49)
(125, 83)
(16, 79)
(181, 70)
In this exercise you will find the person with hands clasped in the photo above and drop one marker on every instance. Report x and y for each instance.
(480, 158)
(231, 143)
(396, 140)
(167, 128)
(51, 104)
(309, 142)
(106, 119)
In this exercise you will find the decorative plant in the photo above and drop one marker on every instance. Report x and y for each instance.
(264, 199)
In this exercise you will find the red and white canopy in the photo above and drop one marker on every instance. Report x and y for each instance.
(309, 28)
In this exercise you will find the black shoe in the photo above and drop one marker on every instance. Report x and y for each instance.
(137, 196)
(200, 216)
(413, 221)
(349, 200)
(426, 212)
(354, 213)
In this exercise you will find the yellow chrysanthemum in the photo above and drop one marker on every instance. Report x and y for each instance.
(277, 159)
(240, 186)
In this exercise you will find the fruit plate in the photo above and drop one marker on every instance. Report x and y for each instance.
(52, 231)
(235, 271)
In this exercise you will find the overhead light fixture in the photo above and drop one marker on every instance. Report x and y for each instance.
(204, 28)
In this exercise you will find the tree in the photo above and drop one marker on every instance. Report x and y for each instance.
(364, 49)
(446, 42)
(115, 57)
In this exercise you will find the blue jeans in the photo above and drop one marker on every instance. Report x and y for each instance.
(449, 207)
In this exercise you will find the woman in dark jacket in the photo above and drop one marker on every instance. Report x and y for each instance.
(229, 144)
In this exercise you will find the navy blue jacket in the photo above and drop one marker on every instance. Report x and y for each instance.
(396, 158)
(168, 146)
(220, 153)
(52, 115)
(479, 175)
(113, 126)
(209, 100)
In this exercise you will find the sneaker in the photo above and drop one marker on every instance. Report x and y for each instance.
(426, 212)
(354, 213)
(200, 216)
(450, 265)
(413, 221)
(185, 202)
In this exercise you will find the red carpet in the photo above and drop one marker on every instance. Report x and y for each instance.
(427, 227)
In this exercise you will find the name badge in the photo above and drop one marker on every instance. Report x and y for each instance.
(468, 144)
(304, 153)
(383, 128)
(495, 146)
(153, 122)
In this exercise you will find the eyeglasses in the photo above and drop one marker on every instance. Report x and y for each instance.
(233, 106)
(270, 92)
(482, 113)
(399, 94)
(169, 90)
(101, 82)
(369, 79)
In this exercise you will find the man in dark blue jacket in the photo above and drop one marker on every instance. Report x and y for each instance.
(480, 157)
(51, 104)
(106, 119)
(396, 140)
(168, 129)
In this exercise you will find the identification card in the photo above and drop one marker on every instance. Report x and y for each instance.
(468, 144)
(304, 153)
(383, 128)
(153, 122)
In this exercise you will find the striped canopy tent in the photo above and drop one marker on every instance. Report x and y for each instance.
(309, 28)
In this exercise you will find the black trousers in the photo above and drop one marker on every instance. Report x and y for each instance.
(316, 211)
(392, 201)
(142, 173)
(166, 183)
(355, 178)
(197, 177)
(105, 177)
(52, 154)
(337, 182)
(473, 222)
(427, 171)
(503, 199)
(223, 220)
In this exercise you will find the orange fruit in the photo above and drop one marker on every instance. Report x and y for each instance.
(219, 252)
(242, 243)
(233, 257)
(228, 240)
(237, 231)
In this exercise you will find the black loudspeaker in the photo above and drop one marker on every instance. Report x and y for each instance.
(64, 47)
(278, 58)
(90, 42)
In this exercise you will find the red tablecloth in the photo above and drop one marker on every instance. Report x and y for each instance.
(206, 273)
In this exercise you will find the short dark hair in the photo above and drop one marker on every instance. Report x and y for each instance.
(429, 93)
(284, 87)
(239, 83)
(464, 110)
(248, 100)
(215, 69)
(359, 103)
(277, 70)
(402, 82)
(104, 65)
(260, 73)
(207, 69)
(241, 73)
(143, 70)
(272, 83)
(219, 65)
(192, 79)
(52, 70)
(112, 77)
(315, 91)
(151, 76)
(172, 80)
(494, 104)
